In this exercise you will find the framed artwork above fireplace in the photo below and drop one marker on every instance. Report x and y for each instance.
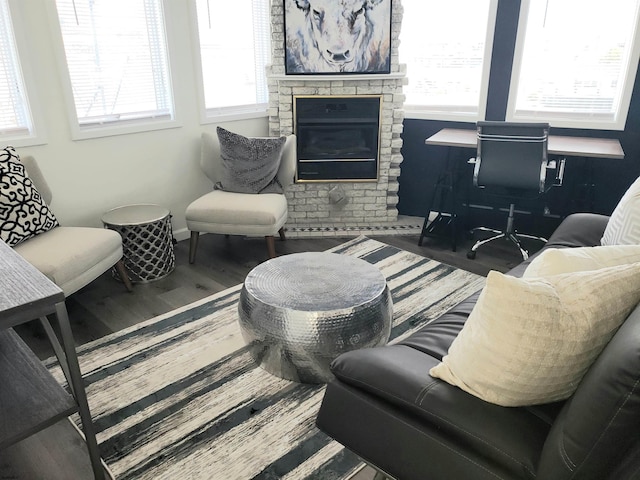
(331, 37)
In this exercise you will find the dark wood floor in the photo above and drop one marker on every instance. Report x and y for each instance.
(105, 306)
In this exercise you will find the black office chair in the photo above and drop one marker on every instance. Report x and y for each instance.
(513, 157)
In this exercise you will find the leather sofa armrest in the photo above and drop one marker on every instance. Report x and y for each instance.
(579, 230)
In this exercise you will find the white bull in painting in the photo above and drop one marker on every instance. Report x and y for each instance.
(324, 36)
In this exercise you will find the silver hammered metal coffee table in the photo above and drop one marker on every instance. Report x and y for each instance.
(300, 311)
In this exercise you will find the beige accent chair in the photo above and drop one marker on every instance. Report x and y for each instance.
(232, 213)
(71, 257)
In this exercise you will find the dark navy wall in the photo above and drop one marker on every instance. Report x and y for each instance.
(422, 163)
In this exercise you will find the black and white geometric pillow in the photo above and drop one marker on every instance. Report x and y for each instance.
(23, 212)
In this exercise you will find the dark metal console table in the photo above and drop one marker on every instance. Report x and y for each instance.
(30, 398)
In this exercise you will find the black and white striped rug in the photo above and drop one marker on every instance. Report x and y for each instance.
(178, 396)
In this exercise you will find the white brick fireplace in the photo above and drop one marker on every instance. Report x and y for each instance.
(345, 205)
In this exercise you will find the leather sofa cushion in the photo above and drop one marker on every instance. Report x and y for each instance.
(435, 338)
(399, 375)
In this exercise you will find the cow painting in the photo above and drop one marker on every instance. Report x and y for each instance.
(337, 36)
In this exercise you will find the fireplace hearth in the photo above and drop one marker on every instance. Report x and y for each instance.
(337, 137)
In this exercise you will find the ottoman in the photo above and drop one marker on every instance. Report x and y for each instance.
(298, 312)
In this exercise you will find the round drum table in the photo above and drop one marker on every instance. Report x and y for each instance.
(298, 312)
(147, 240)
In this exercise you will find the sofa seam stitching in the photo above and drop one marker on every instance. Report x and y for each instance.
(480, 439)
(445, 421)
(629, 393)
(447, 446)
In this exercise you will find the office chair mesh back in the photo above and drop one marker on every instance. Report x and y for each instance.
(512, 155)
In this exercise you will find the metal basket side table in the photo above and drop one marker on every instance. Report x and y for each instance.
(147, 240)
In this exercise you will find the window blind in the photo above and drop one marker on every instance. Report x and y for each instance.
(117, 60)
(575, 61)
(235, 48)
(447, 49)
(15, 118)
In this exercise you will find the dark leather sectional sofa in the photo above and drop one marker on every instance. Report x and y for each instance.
(384, 406)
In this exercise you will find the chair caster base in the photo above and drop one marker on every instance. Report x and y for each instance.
(471, 254)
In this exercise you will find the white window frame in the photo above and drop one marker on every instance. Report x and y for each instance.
(123, 127)
(561, 120)
(219, 114)
(425, 112)
(36, 132)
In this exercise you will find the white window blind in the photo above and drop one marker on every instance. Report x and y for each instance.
(15, 117)
(447, 49)
(117, 60)
(575, 62)
(235, 48)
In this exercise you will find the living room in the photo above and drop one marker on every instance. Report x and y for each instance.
(160, 166)
(93, 170)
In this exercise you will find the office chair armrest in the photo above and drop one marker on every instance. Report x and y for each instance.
(558, 166)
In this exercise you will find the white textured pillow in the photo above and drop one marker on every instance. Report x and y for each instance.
(530, 340)
(623, 227)
(555, 261)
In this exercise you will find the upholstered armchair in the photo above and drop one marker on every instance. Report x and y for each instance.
(71, 257)
(235, 213)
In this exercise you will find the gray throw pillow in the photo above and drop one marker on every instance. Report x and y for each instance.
(249, 165)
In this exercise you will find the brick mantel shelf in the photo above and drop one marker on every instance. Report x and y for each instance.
(334, 77)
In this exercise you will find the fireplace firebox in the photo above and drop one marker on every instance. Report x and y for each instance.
(337, 137)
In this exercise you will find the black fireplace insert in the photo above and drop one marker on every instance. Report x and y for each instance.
(337, 137)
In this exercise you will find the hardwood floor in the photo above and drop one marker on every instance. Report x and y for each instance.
(105, 306)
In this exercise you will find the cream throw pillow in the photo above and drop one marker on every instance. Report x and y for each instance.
(623, 227)
(530, 340)
(554, 261)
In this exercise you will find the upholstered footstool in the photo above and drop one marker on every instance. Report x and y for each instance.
(298, 312)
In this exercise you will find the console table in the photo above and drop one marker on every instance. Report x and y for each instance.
(30, 398)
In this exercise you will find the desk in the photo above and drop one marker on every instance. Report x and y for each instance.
(30, 397)
(558, 145)
(586, 147)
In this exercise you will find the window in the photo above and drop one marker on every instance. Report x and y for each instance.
(235, 48)
(447, 49)
(575, 62)
(118, 64)
(15, 116)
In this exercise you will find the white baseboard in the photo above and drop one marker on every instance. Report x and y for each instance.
(182, 234)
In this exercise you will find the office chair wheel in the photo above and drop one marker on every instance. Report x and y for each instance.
(471, 254)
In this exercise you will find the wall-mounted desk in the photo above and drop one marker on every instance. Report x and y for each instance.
(585, 147)
(558, 144)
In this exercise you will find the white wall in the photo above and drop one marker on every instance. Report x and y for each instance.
(89, 177)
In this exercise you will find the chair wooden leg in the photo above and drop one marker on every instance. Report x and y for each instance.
(122, 273)
(271, 246)
(281, 232)
(193, 246)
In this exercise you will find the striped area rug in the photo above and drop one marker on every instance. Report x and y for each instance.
(178, 396)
